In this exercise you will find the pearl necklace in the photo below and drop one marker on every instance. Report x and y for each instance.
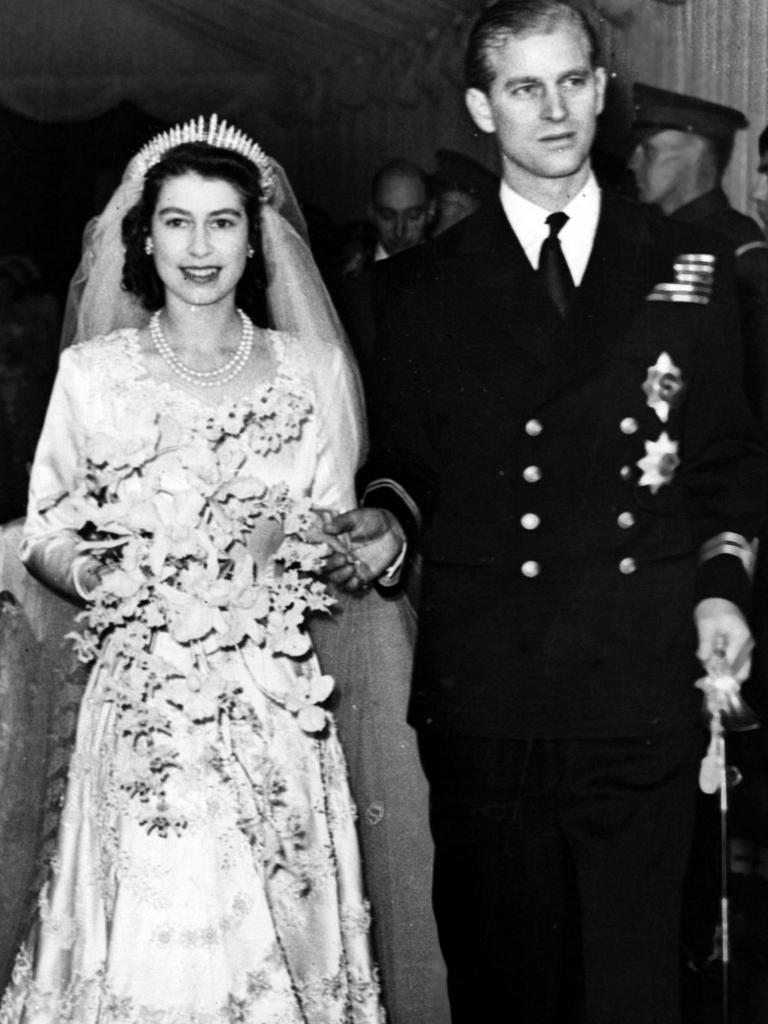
(204, 378)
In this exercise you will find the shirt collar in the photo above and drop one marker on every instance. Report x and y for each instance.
(528, 221)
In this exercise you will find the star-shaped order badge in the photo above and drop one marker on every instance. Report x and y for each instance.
(659, 462)
(663, 386)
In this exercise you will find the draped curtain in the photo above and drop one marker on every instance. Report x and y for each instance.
(333, 88)
(330, 88)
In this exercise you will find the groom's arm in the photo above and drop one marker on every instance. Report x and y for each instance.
(399, 483)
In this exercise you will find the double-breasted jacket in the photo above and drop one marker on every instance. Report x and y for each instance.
(573, 487)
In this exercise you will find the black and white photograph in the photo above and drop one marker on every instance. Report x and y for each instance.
(383, 495)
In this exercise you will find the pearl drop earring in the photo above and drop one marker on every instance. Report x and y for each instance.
(149, 246)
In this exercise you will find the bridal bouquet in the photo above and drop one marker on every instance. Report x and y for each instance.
(172, 515)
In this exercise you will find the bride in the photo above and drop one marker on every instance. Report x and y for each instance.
(207, 869)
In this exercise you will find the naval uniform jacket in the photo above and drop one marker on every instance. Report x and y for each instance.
(750, 252)
(558, 589)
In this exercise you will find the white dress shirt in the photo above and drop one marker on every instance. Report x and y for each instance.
(577, 236)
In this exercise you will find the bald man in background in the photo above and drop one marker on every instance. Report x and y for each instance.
(401, 209)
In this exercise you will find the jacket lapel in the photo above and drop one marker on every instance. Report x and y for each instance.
(619, 275)
(507, 297)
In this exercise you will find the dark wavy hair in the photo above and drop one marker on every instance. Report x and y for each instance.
(139, 275)
(519, 18)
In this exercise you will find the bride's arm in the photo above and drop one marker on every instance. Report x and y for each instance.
(49, 548)
(340, 431)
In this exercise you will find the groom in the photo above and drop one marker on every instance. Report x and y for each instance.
(558, 422)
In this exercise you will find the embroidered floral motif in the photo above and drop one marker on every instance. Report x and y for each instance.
(659, 462)
(663, 386)
(341, 996)
(171, 517)
(211, 935)
(259, 795)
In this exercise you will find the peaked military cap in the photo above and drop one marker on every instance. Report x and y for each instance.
(656, 109)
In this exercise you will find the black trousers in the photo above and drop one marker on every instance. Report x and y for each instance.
(545, 847)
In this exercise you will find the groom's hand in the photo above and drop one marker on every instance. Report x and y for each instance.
(722, 628)
(374, 539)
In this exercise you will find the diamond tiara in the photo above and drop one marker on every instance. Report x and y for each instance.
(215, 133)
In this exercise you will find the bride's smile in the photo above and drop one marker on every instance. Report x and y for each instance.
(200, 238)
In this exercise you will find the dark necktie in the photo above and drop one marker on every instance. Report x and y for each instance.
(553, 267)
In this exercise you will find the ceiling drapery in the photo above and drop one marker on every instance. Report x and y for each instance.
(318, 32)
(322, 53)
(298, 59)
(335, 86)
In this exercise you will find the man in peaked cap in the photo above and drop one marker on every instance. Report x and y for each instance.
(682, 147)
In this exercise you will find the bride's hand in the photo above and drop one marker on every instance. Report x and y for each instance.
(317, 534)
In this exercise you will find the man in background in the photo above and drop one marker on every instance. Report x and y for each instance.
(683, 145)
(401, 207)
(401, 210)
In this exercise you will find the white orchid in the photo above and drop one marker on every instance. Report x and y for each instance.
(171, 516)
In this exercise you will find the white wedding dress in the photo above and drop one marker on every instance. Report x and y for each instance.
(254, 912)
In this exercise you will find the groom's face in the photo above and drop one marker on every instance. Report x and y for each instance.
(542, 104)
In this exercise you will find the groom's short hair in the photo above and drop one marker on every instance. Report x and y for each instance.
(512, 18)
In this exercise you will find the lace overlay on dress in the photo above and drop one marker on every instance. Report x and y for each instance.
(253, 913)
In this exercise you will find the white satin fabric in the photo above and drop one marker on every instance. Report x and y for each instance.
(193, 928)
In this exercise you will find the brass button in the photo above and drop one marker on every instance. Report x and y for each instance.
(627, 566)
(625, 472)
(530, 521)
(628, 425)
(533, 428)
(530, 569)
(625, 520)
(532, 474)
